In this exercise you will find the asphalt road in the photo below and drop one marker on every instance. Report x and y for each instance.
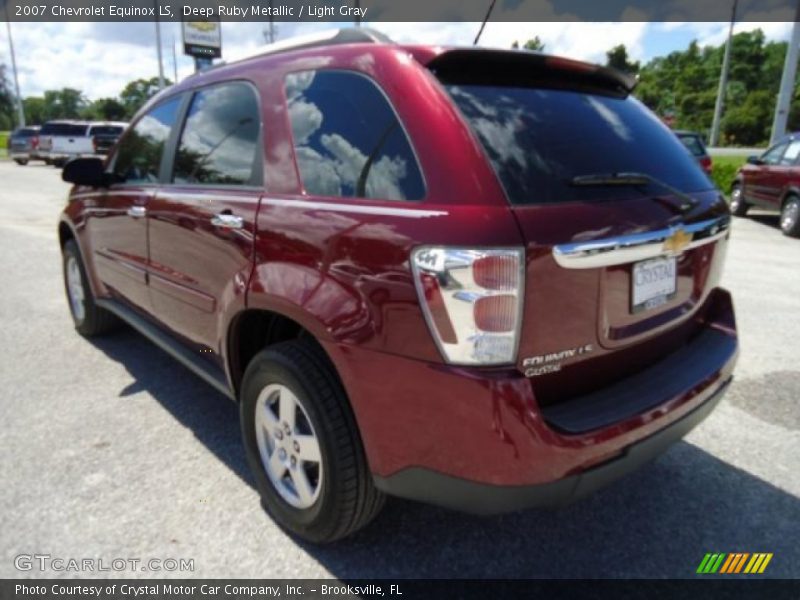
(110, 449)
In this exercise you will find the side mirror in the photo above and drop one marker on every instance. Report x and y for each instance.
(754, 160)
(85, 171)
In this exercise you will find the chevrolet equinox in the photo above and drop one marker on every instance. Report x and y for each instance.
(482, 279)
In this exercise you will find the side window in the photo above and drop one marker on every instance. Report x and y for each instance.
(138, 159)
(790, 156)
(219, 142)
(773, 155)
(347, 138)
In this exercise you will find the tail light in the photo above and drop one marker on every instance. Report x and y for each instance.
(35, 142)
(705, 163)
(472, 301)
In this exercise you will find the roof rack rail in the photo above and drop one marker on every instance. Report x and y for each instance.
(328, 37)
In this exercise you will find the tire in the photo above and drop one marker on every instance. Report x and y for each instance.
(339, 497)
(48, 162)
(738, 206)
(790, 217)
(89, 319)
(21, 161)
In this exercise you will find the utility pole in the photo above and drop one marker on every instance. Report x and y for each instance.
(784, 102)
(174, 60)
(158, 47)
(483, 23)
(713, 139)
(358, 12)
(20, 110)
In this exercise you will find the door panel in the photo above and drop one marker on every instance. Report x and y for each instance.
(197, 267)
(117, 226)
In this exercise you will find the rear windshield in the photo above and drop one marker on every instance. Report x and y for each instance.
(105, 130)
(63, 129)
(25, 133)
(538, 140)
(693, 143)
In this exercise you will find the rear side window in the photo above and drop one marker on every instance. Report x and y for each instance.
(348, 140)
(64, 129)
(139, 155)
(538, 140)
(105, 130)
(693, 143)
(219, 142)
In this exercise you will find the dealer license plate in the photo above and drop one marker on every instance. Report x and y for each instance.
(654, 283)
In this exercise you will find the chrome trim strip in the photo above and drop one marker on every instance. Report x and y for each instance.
(414, 213)
(619, 250)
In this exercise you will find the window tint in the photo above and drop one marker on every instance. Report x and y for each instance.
(791, 154)
(693, 143)
(538, 140)
(25, 133)
(106, 130)
(64, 129)
(773, 155)
(139, 156)
(219, 143)
(348, 140)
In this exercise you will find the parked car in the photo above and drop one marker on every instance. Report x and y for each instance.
(60, 141)
(772, 181)
(23, 144)
(694, 143)
(104, 135)
(478, 278)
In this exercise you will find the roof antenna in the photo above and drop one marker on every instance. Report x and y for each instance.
(485, 19)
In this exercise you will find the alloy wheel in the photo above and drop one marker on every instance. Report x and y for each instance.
(75, 289)
(790, 215)
(288, 446)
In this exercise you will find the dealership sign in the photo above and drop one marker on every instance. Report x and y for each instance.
(202, 39)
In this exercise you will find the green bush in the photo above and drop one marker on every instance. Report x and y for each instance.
(4, 142)
(724, 170)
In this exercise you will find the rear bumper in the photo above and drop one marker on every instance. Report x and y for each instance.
(477, 439)
(483, 499)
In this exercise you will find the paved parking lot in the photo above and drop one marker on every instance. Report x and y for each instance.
(110, 449)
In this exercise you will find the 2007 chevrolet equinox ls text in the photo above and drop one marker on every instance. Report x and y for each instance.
(482, 279)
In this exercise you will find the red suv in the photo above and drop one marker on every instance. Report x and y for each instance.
(482, 279)
(772, 181)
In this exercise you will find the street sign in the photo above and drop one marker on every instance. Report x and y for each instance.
(202, 39)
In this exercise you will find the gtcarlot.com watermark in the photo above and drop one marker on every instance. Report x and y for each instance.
(61, 564)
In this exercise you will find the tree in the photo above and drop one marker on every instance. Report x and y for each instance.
(617, 58)
(535, 44)
(137, 92)
(35, 110)
(106, 109)
(7, 105)
(66, 103)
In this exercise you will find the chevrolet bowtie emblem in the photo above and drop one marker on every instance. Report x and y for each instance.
(677, 242)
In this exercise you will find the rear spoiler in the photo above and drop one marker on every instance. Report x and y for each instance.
(524, 68)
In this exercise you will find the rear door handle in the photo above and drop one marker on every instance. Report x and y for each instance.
(137, 212)
(227, 221)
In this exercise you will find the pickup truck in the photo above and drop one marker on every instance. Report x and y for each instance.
(59, 141)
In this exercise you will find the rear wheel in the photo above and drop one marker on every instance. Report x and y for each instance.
(89, 319)
(790, 217)
(21, 161)
(738, 206)
(303, 445)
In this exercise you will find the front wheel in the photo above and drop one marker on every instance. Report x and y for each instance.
(89, 319)
(303, 445)
(738, 206)
(21, 161)
(790, 217)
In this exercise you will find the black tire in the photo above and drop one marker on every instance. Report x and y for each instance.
(48, 162)
(94, 320)
(738, 206)
(790, 217)
(21, 161)
(347, 499)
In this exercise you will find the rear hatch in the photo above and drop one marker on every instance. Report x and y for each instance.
(624, 234)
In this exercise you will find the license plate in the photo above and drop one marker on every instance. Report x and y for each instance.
(653, 283)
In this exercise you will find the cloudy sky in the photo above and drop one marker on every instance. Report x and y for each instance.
(100, 58)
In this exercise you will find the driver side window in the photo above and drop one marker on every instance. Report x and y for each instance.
(139, 155)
